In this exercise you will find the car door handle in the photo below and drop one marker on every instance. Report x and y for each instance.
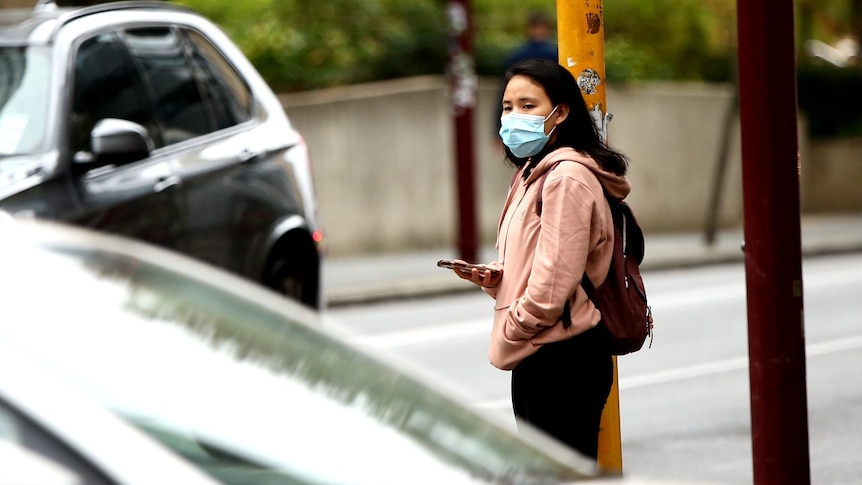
(165, 183)
(249, 156)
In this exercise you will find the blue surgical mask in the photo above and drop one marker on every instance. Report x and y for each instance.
(525, 134)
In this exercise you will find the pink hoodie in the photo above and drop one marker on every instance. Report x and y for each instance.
(543, 259)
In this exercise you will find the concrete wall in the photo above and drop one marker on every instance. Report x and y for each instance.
(385, 161)
(832, 176)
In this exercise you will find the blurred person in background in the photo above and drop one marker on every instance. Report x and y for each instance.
(539, 44)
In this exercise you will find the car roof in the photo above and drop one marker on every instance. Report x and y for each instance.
(18, 25)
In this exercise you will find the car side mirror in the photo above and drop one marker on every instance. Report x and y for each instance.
(116, 141)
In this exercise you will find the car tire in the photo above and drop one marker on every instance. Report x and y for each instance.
(293, 270)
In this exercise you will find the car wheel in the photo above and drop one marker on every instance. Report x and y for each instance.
(293, 272)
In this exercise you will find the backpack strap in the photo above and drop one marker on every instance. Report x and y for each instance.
(586, 283)
(542, 186)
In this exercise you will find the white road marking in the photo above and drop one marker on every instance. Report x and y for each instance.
(702, 370)
(424, 335)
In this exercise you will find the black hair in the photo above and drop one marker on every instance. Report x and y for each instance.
(539, 19)
(578, 130)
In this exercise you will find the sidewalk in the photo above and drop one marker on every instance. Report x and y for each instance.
(363, 279)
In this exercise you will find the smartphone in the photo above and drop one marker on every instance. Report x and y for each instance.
(466, 267)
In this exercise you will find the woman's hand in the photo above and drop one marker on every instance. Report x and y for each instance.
(480, 275)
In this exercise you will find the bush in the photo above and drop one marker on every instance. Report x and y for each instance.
(306, 44)
(669, 40)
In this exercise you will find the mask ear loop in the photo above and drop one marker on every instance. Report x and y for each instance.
(549, 117)
(551, 113)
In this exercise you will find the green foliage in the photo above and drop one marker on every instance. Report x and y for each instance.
(655, 39)
(669, 40)
(305, 44)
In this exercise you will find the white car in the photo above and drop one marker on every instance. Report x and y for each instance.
(121, 362)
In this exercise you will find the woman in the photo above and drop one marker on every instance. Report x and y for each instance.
(561, 372)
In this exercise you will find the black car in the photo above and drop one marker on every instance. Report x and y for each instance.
(143, 119)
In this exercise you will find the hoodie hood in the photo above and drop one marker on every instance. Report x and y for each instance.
(617, 186)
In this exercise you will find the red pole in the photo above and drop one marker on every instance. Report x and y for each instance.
(773, 256)
(462, 75)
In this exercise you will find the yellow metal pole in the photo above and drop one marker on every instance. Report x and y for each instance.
(581, 39)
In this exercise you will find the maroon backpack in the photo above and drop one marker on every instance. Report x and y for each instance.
(621, 299)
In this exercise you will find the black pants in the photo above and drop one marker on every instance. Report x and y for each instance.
(562, 390)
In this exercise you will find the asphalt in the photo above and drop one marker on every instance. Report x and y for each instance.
(357, 280)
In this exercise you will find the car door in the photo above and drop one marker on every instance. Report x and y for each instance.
(135, 198)
(233, 192)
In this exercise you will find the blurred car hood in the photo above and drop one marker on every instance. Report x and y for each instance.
(195, 356)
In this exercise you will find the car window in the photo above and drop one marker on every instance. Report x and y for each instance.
(170, 83)
(106, 85)
(18, 430)
(227, 93)
(24, 78)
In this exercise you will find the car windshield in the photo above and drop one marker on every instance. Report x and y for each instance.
(244, 383)
(24, 78)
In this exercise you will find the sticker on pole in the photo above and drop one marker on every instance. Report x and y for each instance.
(588, 81)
